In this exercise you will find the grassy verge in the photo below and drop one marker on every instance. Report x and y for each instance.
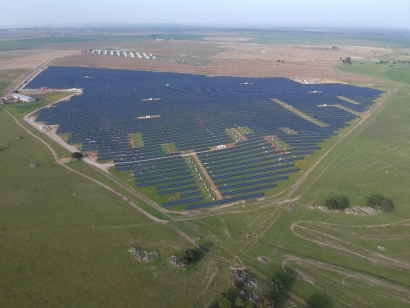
(43, 100)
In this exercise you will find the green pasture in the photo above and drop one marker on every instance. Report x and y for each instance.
(65, 240)
(23, 108)
(7, 77)
(330, 39)
(31, 43)
(372, 160)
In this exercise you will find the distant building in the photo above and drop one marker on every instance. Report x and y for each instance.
(23, 98)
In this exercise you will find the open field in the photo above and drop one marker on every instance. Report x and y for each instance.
(65, 239)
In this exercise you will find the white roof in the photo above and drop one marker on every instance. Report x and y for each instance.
(18, 95)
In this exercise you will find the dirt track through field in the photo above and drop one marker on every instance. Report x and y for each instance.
(57, 160)
(346, 274)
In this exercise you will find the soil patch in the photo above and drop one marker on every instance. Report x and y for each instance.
(228, 39)
(223, 67)
(262, 259)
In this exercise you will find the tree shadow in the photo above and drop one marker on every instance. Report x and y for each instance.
(320, 301)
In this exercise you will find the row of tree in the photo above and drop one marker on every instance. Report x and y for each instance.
(376, 202)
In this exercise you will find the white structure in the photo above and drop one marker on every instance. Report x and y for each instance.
(24, 98)
(138, 55)
(118, 53)
(105, 52)
(112, 52)
(145, 55)
(132, 55)
(125, 54)
(222, 146)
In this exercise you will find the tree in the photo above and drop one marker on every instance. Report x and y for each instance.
(380, 203)
(386, 206)
(266, 302)
(224, 302)
(336, 204)
(373, 201)
(77, 155)
(188, 257)
(239, 301)
(348, 60)
(275, 285)
(16, 91)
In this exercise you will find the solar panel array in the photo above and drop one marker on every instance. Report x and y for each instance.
(193, 112)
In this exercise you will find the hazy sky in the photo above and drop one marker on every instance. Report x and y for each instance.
(372, 13)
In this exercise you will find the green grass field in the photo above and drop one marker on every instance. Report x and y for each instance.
(46, 99)
(32, 43)
(7, 77)
(65, 240)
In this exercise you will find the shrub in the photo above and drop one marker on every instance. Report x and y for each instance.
(386, 206)
(77, 155)
(380, 203)
(335, 204)
(275, 285)
(239, 301)
(224, 302)
(266, 302)
(188, 257)
(373, 201)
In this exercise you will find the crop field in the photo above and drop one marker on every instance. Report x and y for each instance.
(189, 115)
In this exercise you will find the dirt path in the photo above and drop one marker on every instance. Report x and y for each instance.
(153, 218)
(52, 135)
(344, 108)
(57, 160)
(335, 242)
(321, 158)
(207, 176)
(299, 113)
(346, 274)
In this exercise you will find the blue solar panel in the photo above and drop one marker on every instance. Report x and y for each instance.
(193, 113)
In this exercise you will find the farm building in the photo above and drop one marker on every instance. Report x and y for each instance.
(24, 98)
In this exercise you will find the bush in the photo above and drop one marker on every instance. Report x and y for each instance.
(386, 206)
(188, 257)
(380, 203)
(336, 204)
(275, 285)
(266, 302)
(224, 302)
(373, 201)
(239, 301)
(77, 155)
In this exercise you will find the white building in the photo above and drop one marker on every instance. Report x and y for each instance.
(24, 98)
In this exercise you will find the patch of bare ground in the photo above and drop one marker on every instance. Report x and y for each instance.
(27, 59)
(65, 160)
(223, 67)
(85, 45)
(262, 259)
(227, 39)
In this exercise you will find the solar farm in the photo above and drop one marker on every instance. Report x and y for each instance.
(198, 141)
